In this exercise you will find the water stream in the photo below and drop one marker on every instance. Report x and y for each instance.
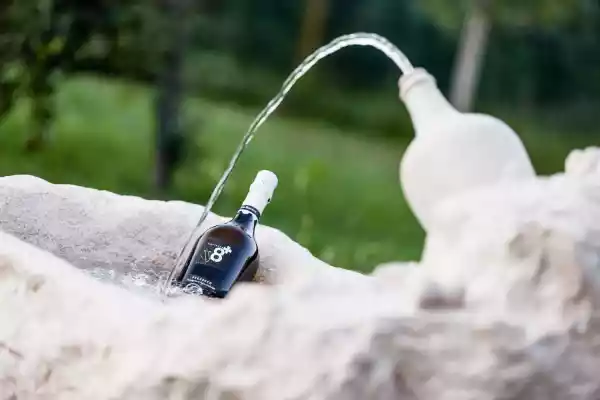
(354, 39)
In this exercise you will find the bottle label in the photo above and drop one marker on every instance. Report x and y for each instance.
(195, 284)
(204, 270)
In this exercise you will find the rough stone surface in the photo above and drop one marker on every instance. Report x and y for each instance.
(95, 229)
(503, 305)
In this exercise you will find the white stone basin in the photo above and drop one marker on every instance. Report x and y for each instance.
(503, 305)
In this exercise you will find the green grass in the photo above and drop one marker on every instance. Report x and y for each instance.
(338, 195)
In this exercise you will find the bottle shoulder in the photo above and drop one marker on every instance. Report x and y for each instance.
(227, 230)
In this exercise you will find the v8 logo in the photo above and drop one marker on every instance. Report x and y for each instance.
(218, 253)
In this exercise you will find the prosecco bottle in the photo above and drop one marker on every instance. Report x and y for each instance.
(226, 254)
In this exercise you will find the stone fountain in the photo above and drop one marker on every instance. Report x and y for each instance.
(503, 304)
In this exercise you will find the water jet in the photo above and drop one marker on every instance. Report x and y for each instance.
(451, 152)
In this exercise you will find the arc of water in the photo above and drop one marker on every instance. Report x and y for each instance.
(353, 39)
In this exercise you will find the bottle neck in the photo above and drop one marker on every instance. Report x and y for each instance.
(247, 218)
(426, 104)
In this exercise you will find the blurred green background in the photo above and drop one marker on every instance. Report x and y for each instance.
(152, 97)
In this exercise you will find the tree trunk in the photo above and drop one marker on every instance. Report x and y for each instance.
(313, 27)
(470, 57)
(41, 64)
(169, 133)
(8, 50)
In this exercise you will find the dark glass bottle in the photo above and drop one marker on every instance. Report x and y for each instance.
(226, 254)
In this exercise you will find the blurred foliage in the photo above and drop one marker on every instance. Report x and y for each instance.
(44, 40)
(338, 192)
(547, 63)
(104, 137)
(542, 66)
(543, 53)
(542, 14)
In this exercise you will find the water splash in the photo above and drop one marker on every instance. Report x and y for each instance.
(354, 39)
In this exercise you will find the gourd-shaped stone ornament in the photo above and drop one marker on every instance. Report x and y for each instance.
(453, 152)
